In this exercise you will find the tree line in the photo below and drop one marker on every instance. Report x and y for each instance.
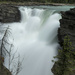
(54, 1)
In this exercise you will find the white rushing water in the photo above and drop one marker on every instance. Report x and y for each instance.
(35, 39)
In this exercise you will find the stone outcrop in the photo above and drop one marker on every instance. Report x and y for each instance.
(9, 13)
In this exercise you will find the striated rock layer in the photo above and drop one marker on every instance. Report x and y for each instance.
(9, 14)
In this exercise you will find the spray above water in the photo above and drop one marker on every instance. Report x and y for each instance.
(35, 38)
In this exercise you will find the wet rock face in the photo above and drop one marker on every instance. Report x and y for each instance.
(9, 14)
(67, 26)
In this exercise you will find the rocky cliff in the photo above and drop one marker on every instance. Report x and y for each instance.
(9, 13)
(67, 27)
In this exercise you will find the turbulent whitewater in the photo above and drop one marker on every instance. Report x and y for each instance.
(35, 38)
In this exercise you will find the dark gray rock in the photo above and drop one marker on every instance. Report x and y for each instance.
(67, 26)
(9, 14)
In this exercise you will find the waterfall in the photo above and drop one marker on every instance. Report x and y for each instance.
(35, 38)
